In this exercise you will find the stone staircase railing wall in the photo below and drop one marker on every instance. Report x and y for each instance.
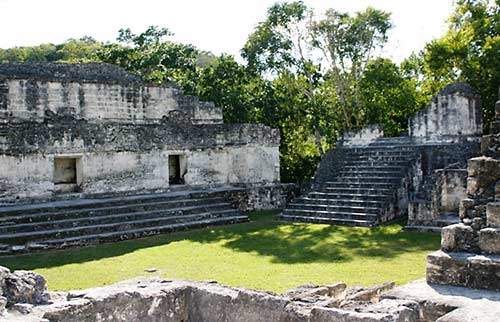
(423, 173)
(470, 250)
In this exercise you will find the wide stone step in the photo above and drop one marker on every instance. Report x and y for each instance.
(367, 178)
(101, 211)
(113, 218)
(340, 202)
(91, 239)
(379, 158)
(367, 173)
(327, 220)
(376, 169)
(23, 237)
(56, 206)
(359, 184)
(350, 196)
(387, 163)
(336, 208)
(381, 148)
(357, 191)
(352, 214)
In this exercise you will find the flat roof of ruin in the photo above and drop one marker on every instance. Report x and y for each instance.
(69, 72)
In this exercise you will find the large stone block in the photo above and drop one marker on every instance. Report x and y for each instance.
(493, 214)
(489, 240)
(483, 172)
(464, 269)
(25, 287)
(458, 237)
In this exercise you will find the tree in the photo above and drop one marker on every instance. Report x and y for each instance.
(347, 43)
(153, 58)
(470, 52)
(388, 97)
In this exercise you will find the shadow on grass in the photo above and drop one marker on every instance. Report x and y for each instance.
(284, 243)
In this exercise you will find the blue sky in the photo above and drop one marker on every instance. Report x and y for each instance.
(220, 26)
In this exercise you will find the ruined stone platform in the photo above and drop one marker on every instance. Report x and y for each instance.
(445, 303)
(60, 224)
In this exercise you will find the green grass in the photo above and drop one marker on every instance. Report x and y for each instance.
(263, 254)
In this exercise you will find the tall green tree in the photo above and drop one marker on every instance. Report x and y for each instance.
(470, 52)
(348, 44)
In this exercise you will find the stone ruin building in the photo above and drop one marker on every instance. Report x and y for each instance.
(118, 158)
(370, 179)
(78, 131)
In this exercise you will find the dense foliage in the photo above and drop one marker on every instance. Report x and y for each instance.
(311, 77)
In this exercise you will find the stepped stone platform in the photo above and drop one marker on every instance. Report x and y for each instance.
(59, 224)
(365, 189)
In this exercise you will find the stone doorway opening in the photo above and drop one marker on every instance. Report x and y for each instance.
(176, 169)
(67, 174)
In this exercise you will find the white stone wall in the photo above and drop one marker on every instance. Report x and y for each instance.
(363, 136)
(447, 118)
(32, 176)
(29, 100)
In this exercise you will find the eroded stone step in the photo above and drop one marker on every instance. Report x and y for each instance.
(23, 237)
(357, 191)
(332, 214)
(379, 158)
(101, 211)
(350, 196)
(56, 206)
(374, 173)
(325, 220)
(339, 202)
(368, 178)
(91, 239)
(387, 163)
(113, 218)
(384, 168)
(337, 208)
(360, 184)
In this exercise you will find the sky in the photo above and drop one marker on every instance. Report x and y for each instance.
(219, 26)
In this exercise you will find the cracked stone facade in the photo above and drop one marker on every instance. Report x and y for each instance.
(94, 129)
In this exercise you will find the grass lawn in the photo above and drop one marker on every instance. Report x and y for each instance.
(263, 254)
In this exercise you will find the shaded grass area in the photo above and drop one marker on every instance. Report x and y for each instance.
(264, 254)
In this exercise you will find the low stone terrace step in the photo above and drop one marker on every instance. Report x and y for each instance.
(35, 224)
(92, 239)
(327, 220)
(105, 219)
(360, 184)
(111, 201)
(352, 167)
(367, 173)
(39, 236)
(369, 179)
(347, 195)
(356, 190)
(95, 211)
(359, 209)
(339, 202)
(375, 163)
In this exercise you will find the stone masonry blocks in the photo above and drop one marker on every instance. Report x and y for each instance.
(493, 214)
(489, 240)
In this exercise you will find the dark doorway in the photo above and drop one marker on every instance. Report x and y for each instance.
(174, 170)
(66, 174)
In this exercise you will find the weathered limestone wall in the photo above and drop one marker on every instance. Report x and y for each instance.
(119, 133)
(364, 136)
(124, 100)
(454, 113)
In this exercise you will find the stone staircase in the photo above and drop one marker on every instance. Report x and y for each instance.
(364, 189)
(60, 224)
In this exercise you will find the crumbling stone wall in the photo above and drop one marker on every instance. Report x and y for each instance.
(470, 249)
(120, 132)
(454, 113)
